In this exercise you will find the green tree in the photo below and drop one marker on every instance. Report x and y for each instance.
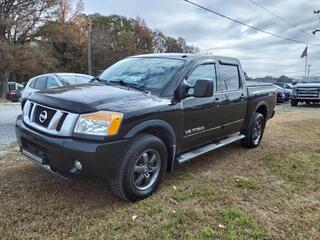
(115, 37)
(66, 37)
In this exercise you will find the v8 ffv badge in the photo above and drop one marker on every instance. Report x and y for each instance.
(194, 130)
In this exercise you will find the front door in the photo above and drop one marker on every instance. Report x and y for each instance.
(201, 117)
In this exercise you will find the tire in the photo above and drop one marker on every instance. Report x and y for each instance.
(145, 156)
(294, 103)
(252, 138)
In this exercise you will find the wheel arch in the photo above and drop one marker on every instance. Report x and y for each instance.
(262, 108)
(162, 130)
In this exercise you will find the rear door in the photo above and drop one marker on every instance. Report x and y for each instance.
(230, 84)
(201, 122)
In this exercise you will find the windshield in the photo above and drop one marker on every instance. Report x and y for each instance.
(147, 73)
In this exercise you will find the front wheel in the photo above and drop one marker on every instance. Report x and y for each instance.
(254, 132)
(141, 169)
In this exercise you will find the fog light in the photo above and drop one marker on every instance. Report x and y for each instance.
(77, 164)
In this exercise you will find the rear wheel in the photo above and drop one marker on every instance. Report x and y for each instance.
(294, 103)
(254, 132)
(141, 169)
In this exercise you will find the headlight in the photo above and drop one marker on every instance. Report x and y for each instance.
(294, 91)
(99, 123)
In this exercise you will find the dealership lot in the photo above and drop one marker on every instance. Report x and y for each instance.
(10, 111)
(264, 193)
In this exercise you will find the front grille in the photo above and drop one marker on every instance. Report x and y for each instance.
(30, 110)
(49, 120)
(308, 92)
(43, 116)
(64, 115)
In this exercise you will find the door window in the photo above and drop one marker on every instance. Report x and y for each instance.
(205, 71)
(51, 83)
(229, 78)
(68, 80)
(40, 83)
(83, 79)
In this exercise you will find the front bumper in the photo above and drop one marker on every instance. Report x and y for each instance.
(57, 154)
(12, 98)
(304, 99)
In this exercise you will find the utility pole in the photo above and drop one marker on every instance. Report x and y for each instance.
(309, 66)
(305, 66)
(89, 48)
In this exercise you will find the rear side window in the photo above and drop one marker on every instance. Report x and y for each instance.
(205, 71)
(32, 83)
(229, 78)
(40, 83)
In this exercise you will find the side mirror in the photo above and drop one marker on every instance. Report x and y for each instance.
(183, 89)
(203, 88)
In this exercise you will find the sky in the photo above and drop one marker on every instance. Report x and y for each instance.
(259, 53)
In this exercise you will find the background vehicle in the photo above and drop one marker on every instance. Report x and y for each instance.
(306, 92)
(143, 115)
(285, 85)
(14, 91)
(283, 94)
(52, 80)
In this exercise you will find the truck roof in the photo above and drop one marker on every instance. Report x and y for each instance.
(190, 56)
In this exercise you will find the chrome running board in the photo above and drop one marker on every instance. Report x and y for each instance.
(208, 148)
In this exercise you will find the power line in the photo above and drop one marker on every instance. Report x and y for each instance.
(238, 47)
(282, 19)
(247, 25)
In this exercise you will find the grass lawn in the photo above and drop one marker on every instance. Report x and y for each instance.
(271, 192)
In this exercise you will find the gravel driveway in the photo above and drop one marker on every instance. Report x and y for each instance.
(8, 115)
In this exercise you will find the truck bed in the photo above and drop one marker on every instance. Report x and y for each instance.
(257, 84)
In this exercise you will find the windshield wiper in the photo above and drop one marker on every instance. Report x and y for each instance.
(131, 85)
(100, 80)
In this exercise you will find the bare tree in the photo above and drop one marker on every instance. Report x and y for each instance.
(19, 24)
(159, 42)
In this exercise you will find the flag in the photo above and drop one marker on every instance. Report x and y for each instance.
(305, 52)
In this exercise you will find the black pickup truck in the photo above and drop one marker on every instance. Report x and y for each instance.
(142, 116)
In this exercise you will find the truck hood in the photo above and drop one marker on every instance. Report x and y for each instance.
(92, 97)
(306, 85)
